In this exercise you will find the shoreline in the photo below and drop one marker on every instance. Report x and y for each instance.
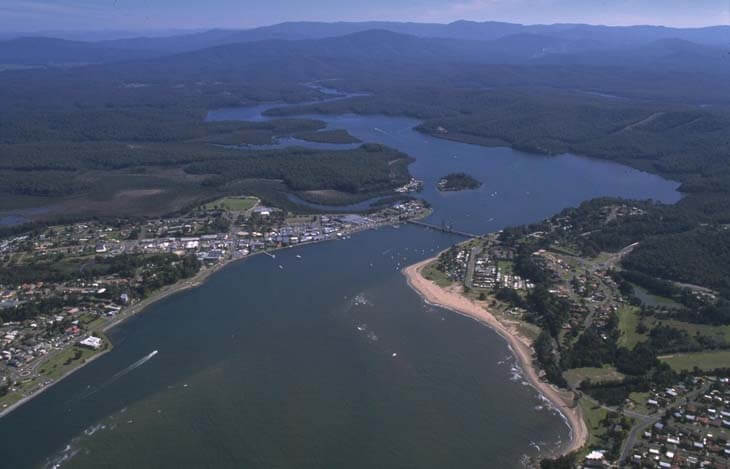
(161, 294)
(193, 282)
(37, 393)
(520, 347)
(169, 290)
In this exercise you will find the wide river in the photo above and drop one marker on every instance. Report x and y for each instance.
(332, 361)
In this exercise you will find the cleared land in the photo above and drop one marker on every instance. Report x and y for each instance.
(701, 360)
(431, 273)
(628, 319)
(234, 204)
(596, 375)
(593, 414)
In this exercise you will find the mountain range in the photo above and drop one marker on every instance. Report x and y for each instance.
(484, 42)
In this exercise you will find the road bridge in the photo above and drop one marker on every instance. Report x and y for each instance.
(444, 228)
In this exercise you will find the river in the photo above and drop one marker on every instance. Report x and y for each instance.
(332, 361)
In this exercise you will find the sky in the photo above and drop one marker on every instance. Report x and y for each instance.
(38, 15)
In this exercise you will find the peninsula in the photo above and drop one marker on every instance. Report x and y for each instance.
(452, 299)
(634, 362)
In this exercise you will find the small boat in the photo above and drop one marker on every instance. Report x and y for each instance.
(299, 256)
(281, 266)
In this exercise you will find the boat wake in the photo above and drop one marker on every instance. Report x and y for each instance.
(91, 391)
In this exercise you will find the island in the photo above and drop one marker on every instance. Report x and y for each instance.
(457, 182)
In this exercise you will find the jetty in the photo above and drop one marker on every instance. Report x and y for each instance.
(444, 228)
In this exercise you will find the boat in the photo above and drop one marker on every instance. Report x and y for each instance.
(299, 256)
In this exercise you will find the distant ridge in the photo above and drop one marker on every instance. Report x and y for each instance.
(43, 51)
(609, 36)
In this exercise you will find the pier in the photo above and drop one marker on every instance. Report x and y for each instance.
(444, 228)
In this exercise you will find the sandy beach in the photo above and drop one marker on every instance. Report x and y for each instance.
(520, 345)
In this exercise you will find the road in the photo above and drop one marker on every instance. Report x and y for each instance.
(468, 277)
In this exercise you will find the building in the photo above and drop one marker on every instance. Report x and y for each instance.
(91, 342)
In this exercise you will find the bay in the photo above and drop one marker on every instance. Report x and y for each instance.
(332, 361)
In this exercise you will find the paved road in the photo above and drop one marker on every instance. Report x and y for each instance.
(468, 277)
(643, 421)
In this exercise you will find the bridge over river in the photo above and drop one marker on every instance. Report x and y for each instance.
(443, 227)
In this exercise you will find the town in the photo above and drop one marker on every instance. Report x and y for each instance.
(62, 286)
(619, 349)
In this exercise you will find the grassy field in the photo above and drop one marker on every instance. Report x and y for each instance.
(505, 267)
(650, 299)
(593, 415)
(597, 375)
(722, 332)
(639, 399)
(563, 249)
(433, 274)
(59, 364)
(702, 360)
(628, 319)
(233, 204)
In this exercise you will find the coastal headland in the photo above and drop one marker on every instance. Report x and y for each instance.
(520, 345)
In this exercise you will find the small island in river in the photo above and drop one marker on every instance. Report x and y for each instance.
(457, 182)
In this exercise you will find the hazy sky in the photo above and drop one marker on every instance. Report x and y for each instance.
(30, 15)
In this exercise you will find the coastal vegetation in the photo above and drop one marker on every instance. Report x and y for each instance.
(122, 178)
(340, 136)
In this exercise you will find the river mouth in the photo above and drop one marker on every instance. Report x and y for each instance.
(265, 367)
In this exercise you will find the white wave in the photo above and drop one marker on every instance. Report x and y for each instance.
(361, 300)
(118, 375)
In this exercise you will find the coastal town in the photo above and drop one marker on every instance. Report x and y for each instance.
(62, 286)
(595, 340)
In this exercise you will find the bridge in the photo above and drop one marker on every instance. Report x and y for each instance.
(444, 228)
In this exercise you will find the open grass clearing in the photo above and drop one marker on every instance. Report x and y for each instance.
(233, 204)
(593, 414)
(701, 360)
(628, 319)
(431, 273)
(597, 375)
(57, 365)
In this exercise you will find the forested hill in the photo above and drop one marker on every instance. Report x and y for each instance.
(51, 51)
(655, 101)
(470, 30)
